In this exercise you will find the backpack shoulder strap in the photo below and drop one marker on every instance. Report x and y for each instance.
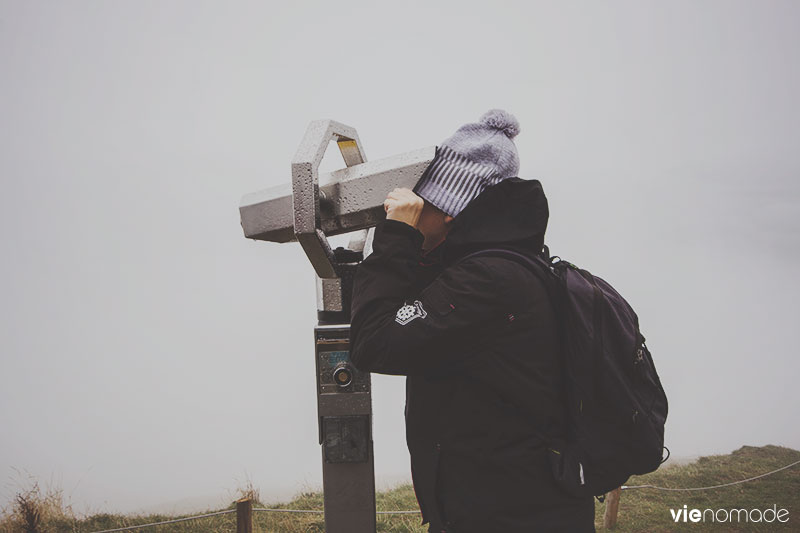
(538, 266)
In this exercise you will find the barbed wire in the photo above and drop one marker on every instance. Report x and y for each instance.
(626, 487)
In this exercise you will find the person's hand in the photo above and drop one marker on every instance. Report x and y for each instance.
(404, 206)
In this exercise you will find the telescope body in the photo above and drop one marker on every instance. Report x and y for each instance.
(350, 199)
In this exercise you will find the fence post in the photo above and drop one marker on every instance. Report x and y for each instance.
(244, 516)
(612, 506)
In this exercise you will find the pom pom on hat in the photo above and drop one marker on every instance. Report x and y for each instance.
(501, 120)
(471, 160)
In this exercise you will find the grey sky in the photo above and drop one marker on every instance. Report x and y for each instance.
(150, 354)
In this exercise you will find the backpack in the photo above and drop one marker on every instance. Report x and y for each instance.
(616, 406)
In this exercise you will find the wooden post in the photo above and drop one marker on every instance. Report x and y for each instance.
(612, 506)
(244, 516)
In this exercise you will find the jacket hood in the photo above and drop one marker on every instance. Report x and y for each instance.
(512, 214)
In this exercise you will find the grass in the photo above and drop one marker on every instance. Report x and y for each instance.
(649, 510)
(640, 510)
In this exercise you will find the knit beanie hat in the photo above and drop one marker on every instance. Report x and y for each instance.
(477, 156)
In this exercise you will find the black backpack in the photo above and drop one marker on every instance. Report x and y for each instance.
(616, 407)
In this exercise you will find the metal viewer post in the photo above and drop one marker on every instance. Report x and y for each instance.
(350, 201)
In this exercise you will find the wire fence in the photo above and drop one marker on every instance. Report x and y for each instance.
(230, 511)
(186, 519)
(317, 511)
(628, 487)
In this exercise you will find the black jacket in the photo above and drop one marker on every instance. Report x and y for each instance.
(477, 339)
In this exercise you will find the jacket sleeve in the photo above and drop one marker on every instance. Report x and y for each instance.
(394, 331)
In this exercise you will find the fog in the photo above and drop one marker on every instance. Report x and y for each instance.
(151, 357)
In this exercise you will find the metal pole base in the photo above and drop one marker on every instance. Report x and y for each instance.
(344, 406)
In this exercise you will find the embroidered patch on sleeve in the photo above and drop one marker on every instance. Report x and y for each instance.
(409, 312)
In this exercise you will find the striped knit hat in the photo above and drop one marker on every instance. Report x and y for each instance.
(477, 156)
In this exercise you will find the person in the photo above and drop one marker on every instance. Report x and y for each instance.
(475, 336)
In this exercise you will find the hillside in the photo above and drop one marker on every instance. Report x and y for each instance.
(640, 510)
